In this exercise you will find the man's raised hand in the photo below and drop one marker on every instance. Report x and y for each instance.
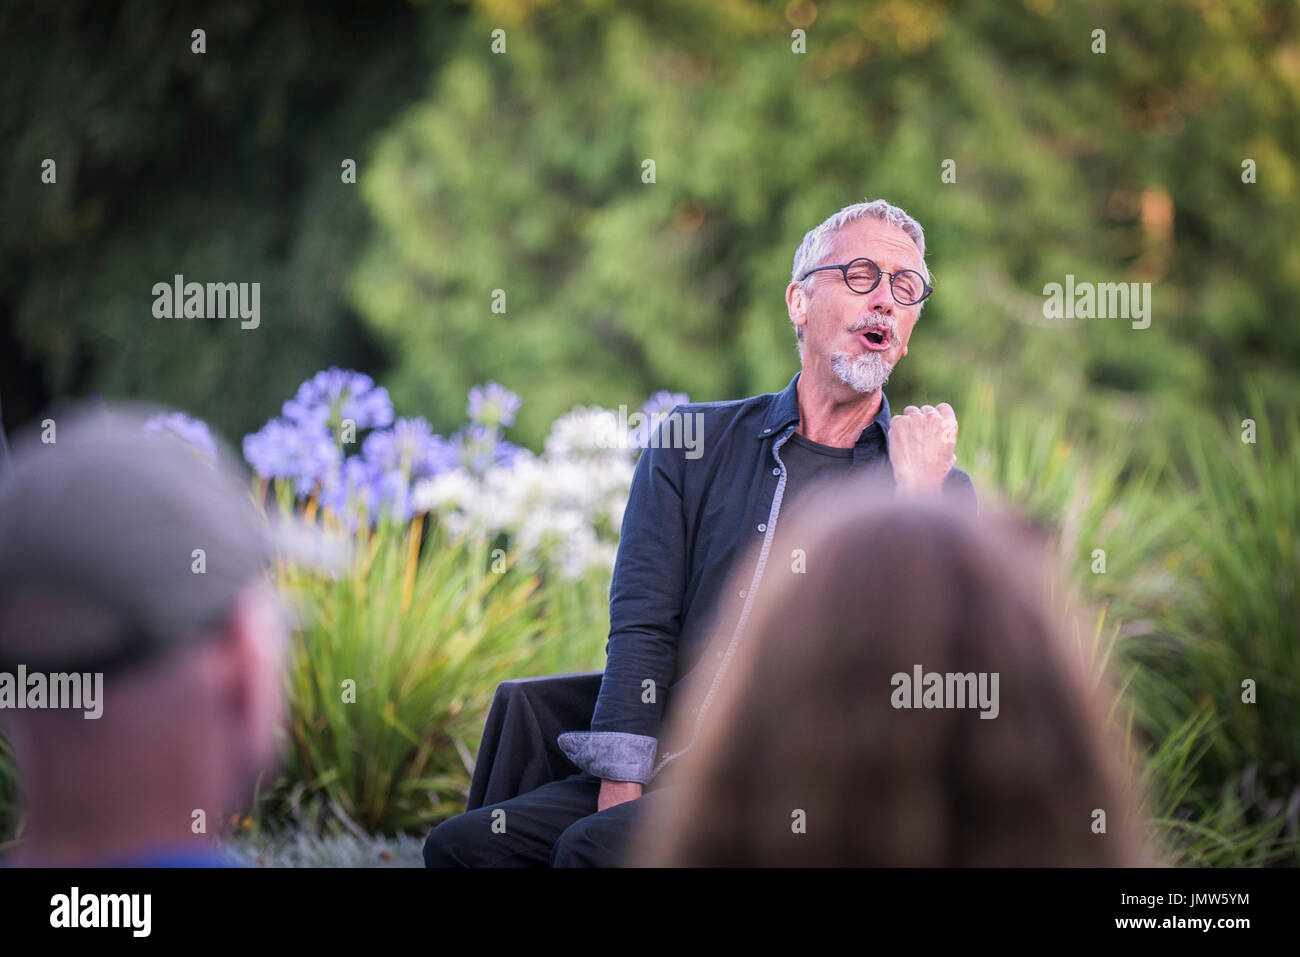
(922, 448)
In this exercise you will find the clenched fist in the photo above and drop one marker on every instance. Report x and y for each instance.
(922, 447)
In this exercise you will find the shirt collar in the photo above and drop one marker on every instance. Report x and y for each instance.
(785, 409)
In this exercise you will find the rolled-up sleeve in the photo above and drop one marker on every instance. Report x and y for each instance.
(645, 617)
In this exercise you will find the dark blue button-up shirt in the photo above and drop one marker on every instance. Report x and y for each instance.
(702, 499)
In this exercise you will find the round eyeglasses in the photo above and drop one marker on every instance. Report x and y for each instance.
(907, 286)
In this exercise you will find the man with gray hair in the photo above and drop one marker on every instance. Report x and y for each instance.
(695, 526)
(137, 560)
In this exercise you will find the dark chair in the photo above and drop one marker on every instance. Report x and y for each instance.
(518, 751)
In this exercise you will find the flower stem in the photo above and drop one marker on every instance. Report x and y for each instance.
(412, 559)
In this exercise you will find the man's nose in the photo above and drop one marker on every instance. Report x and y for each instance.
(879, 299)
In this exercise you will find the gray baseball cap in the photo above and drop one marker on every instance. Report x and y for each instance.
(119, 544)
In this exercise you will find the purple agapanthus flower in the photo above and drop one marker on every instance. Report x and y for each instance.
(478, 448)
(505, 453)
(493, 405)
(191, 430)
(335, 394)
(349, 486)
(359, 486)
(655, 409)
(392, 496)
(411, 448)
(286, 450)
(664, 402)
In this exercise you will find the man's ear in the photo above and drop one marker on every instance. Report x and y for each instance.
(252, 646)
(796, 303)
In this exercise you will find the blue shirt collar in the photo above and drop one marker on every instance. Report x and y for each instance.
(785, 409)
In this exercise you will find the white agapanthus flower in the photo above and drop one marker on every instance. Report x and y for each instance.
(452, 489)
(568, 539)
(588, 431)
(564, 507)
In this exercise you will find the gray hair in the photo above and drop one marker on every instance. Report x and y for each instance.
(817, 242)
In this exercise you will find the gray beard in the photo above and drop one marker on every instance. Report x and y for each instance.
(866, 373)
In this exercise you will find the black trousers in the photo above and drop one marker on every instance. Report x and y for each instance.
(555, 825)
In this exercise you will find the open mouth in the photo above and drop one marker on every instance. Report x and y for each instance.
(877, 338)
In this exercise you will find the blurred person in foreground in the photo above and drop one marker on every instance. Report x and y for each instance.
(716, 479)
(822, 750)
(135, 561)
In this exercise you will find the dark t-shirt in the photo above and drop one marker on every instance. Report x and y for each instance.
(808, 463)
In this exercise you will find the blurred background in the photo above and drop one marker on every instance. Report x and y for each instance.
(523, 171)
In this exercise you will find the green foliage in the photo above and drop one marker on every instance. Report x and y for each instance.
(1088, 498)
(424, 644)
(1183, 564)
(1204, 570)
(1190, 832)
(522, 172)
(1179, 829)
(223, 166)
(1233, 618)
